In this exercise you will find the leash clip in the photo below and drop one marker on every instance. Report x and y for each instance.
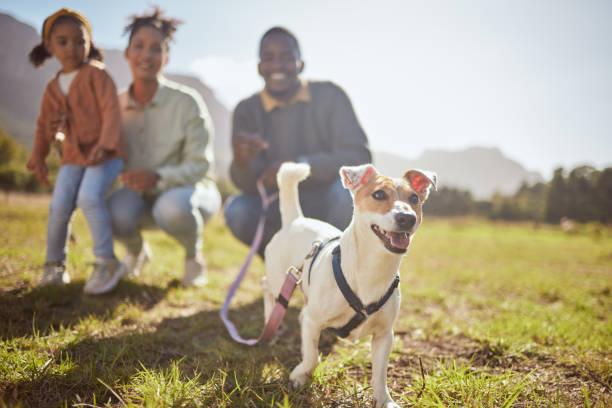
(296, 272)
(316, 245)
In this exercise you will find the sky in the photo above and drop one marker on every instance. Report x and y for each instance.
(531, 77)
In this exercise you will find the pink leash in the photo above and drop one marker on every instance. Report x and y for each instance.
(289, 285)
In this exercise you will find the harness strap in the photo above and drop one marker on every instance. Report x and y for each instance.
(353, 300)
(319, 247)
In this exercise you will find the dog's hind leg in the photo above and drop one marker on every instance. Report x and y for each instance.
(381, 349)
(310, 333)
(268, 298)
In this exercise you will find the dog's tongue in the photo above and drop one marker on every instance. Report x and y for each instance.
(400, 239)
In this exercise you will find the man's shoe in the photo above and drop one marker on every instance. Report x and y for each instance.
(195, 272)
(54, 273)
(135, 262)
(105, 276)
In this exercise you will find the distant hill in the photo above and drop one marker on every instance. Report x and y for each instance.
(483, 171)
(22, 85)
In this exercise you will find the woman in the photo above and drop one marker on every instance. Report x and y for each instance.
(169, 135)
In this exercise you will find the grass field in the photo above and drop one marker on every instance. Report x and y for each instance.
(500, 315)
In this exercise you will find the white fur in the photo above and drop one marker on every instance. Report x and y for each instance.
(368, 266)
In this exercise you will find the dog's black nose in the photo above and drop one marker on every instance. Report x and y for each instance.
(405, 220)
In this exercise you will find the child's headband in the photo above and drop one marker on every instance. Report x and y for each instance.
(46, 30)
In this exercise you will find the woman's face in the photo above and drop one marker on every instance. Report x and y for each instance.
(147, 53)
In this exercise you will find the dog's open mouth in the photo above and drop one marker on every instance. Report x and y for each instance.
(396, 242)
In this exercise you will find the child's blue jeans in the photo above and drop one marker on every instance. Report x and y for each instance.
(84, 187)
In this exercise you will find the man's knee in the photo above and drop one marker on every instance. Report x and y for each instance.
(241, 213)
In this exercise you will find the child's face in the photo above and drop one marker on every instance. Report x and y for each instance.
(279, 65)
(147, 53)
(69, 42)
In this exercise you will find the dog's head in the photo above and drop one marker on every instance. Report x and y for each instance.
(391, 206)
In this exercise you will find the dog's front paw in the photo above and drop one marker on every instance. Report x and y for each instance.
(386, 403)
(298, 377)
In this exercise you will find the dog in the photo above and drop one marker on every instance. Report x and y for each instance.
(387, 212)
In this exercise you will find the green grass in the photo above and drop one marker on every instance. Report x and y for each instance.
(499, 315)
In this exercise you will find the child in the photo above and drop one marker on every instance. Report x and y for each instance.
(79, 105)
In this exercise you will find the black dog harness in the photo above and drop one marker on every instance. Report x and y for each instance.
(350, 296)
(353, 300)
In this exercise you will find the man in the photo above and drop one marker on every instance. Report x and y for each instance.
(292, 120)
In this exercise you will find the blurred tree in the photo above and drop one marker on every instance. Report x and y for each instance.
(13, 173)
(450, 202)
(582, 194)
(604, 189)
(8, 148)
(556, 198)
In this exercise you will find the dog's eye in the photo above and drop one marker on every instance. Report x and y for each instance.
(379, 195)
(414, 199)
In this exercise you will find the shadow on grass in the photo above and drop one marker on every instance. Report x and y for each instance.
(24, 310)
(201, 345)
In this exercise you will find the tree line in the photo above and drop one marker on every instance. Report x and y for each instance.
(582, 194)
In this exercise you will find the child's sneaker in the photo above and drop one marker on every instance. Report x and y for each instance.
(135, 262)
(195, 272)
(105, 276)
(54, 273)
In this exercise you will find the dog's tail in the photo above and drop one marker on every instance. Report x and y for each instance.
(289, 176)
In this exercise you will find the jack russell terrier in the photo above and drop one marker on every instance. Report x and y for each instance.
(350, 269)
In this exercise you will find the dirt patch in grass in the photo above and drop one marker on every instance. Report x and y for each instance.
(550, 378)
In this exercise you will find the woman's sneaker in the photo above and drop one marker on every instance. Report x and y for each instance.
(105, 276)
(54, 273)
(135, 262)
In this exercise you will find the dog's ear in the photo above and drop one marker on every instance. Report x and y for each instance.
(422, 181)
(353, 177)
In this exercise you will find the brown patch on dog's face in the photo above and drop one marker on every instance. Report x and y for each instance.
(381, 194)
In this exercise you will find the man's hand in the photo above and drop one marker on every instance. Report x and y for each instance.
(269, 175)
(139, 180)
(246, 146)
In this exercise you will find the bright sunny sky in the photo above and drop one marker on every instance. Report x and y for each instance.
(532, 77)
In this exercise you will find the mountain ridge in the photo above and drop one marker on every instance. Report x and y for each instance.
(483, 171)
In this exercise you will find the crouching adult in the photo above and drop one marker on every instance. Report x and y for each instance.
(167, 182)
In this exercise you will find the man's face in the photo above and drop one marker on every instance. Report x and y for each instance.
(280, 65)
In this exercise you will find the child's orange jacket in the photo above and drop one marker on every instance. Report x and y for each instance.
(92, 113)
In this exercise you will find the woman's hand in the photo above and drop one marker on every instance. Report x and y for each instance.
(139, 180)
(246, 146)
